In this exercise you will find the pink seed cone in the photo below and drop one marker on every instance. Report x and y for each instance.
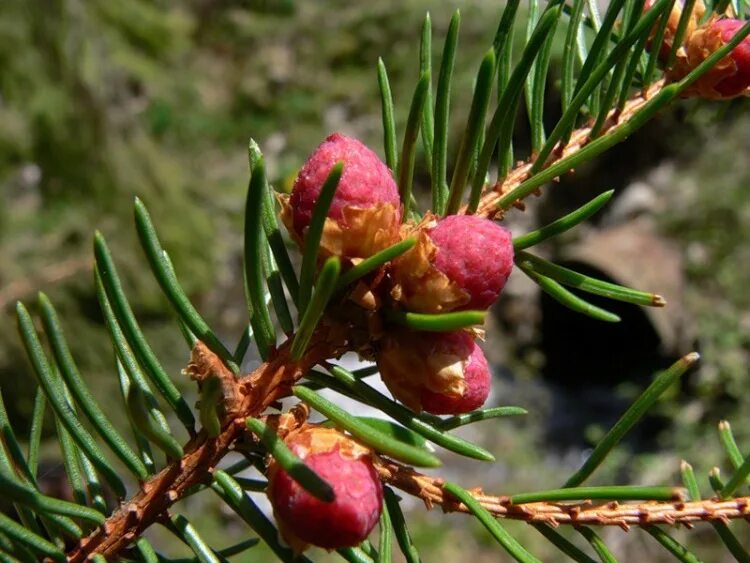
(348, 468)
(441, 373)
(365, 182)
(477, 379)
(476, 254)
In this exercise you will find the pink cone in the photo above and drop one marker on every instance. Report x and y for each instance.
(348, 468)
(729, 77)
(476, 254)
(477, 378)
(740, 81)
(365, 182)
(441, 373)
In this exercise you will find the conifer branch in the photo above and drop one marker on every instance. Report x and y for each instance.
(251, 395)
(673, 512)
(488, 205)
(234, 410)
(242, 397)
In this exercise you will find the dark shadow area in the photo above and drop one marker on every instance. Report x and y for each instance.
(589, 363)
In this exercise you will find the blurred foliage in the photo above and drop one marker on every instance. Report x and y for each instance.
(75, 148)
(707, 211)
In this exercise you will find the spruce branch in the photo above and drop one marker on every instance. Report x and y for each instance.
(579, 139)
(677, 511)
(233, 408)
(243, 398)
(591, 140)
(251, 395)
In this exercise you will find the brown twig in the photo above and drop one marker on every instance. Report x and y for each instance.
(430, 490)
(250, 396)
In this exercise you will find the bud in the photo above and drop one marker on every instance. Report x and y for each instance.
(460, 262)
(347, 466)
(730, 77)
(365, 213)
(439, 372)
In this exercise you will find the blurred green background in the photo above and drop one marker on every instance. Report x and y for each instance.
(102, 100)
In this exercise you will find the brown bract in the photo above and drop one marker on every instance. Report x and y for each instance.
(672, 24)
(360, 233)
(311, 439)
(205, 365)
(417, 284)
(700, 45)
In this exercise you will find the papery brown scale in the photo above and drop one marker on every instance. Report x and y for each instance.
(459, 262)
(418, 284)
(670, 30)
(730, 77)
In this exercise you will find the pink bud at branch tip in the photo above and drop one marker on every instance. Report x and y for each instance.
(365, 212)
(347, 467)
(476, 254)
(740, 81)
(730, 77)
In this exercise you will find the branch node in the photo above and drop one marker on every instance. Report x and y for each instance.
(133, 513)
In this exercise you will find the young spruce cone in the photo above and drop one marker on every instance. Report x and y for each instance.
(460, 262)
(438, 372)
(365, 213)
(347, 466)
(731, 76)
